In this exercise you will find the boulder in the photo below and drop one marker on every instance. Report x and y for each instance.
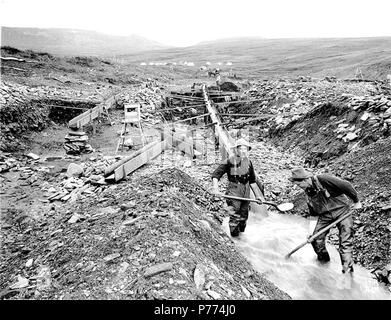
(74, 170)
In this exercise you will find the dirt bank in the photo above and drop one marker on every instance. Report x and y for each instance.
(151, 237)
(347, 135)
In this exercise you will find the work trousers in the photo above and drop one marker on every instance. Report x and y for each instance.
(238, 210)
(345, 228)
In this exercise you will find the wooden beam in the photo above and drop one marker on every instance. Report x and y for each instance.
(225, 140)
(185, 97)
(12, 59)
(67, 107)
(91, 114)
(176, 108)
(109, 170)
(187, 119)
(244, 114)
(135, 163)
(180, 141)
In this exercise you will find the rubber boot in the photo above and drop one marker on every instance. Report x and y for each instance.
(234, 231)
(242, 226)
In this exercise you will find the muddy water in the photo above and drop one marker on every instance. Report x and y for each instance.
(269, 237)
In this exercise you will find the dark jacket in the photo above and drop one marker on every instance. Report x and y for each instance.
(237, 170)
(333, 189)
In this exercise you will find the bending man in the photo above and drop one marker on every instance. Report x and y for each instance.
(326, 198)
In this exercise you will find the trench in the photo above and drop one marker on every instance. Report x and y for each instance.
(269, 237)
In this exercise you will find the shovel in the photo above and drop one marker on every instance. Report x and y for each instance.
(280, 207)
(314, 236)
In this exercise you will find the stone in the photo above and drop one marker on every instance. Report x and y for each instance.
(246, 292)
(386, 207)
(29, 263)
(214, 294)
(95, 177)
(53, 158)
(130, 221)
(176, 254)
(156, 269)
(199, 276)
(123, 267)
(44, 281)
(75, 218)
(74, 170)
(111, 257)
(129, 142)
(350, 136)
(128, 205)
(22, 282)
(206, 224)
(343, 125)
(33, 156)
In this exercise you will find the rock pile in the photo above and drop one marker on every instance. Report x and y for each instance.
(291, 99)
(80, 181)
(377, 109)
(76, 143)
(149, 97)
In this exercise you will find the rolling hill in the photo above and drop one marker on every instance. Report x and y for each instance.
(258, 57)
(74, 42)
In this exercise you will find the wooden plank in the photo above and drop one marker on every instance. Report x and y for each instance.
(109, 170)
(187, 119)
(66, 107)
(245, 114)
(224, 139)
(182, 143)
(93, 113)
(138, 161)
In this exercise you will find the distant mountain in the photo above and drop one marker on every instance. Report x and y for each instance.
(75, 42)
(233, 40)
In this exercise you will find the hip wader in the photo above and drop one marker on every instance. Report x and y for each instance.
(329, 210)
(238, 210)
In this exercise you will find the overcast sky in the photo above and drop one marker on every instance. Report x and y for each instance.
(184, 22)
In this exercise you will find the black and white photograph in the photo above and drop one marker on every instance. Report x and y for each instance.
(196, 155)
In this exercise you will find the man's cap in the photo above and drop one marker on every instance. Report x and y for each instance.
(242, 142)
(299, 174)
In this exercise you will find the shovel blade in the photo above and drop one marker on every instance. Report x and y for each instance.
(285, 206)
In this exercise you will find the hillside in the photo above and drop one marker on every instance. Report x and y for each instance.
(74, 42)
(262, 58)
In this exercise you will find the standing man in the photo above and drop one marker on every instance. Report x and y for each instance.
(326, 198)
(218, 79)
(241, 176)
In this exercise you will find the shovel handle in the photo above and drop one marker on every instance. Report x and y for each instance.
(249, 199)
(313, 237)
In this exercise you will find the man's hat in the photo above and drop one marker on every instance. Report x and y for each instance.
(299, 174)
(242, 142)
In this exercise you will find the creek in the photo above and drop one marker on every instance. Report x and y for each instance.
(269, 236)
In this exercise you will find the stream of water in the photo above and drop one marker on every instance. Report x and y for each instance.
(270, 236)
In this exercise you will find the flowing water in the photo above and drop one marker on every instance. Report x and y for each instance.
(270, 236)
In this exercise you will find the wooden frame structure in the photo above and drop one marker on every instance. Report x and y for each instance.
(91, 114)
